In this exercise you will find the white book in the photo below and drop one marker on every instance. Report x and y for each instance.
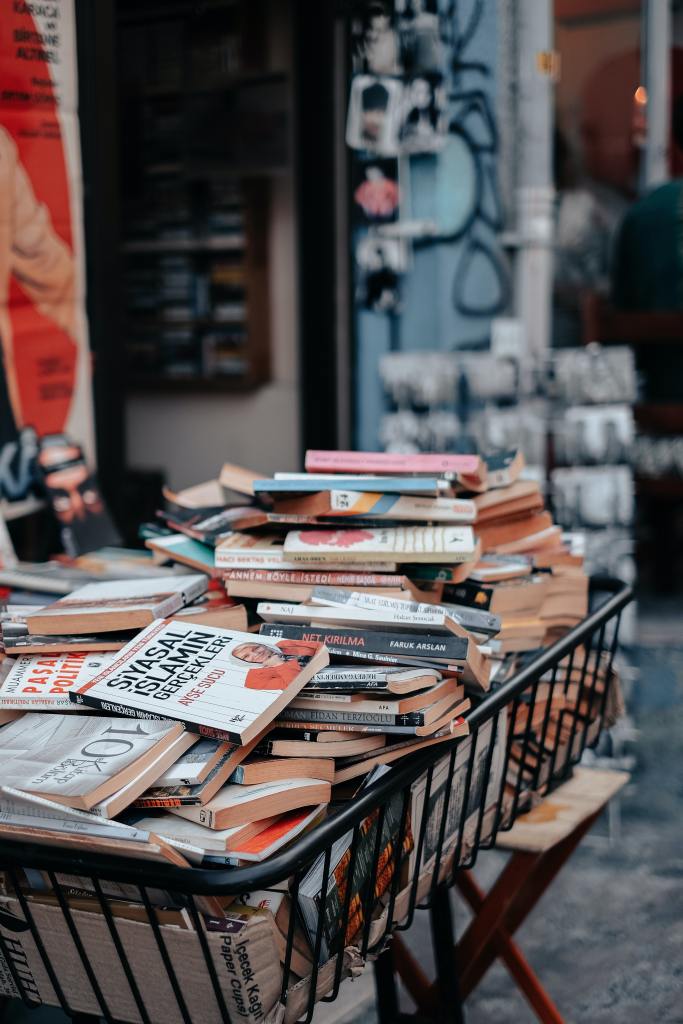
(402, 543)
(221, 683)
(475, 620)
(350, 615)
(80, 760)
(230, 558)
(41, 682)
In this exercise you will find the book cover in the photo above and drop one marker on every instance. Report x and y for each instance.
(277, 834)
(363, 645)
(376, 701)
(315, 901)
(80, 760)
(339, 639)
(403, 544)
(424, 722)
(183, 795)
(116, 605)
(432, 619)
(195, 764)
(42, 682)
(218, 682)
(17, 640)
(503, 468)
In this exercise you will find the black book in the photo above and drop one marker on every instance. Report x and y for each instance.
(342, 640)
(416, 649)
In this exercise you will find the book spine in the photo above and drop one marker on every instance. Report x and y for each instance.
(237, 777)
(412, 718)
(394, 730)
(149, 801)
(318, 461)
(373, 641)
(344, 686)
(338, 579)
(350, 675)
(122, 709)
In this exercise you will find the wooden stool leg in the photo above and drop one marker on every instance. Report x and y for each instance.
(513, 876)
(529, 892)
(512, 956)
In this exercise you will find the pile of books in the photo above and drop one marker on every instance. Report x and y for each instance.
(284, 642)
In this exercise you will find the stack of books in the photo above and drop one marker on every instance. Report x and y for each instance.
(285, 641)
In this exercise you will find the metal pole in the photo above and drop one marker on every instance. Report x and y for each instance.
(535, 189)
(656, 74)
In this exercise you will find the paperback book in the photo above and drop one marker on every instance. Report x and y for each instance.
(81, 760)
(402, 544)
(373, 505)
(297, 484)
(316, 743)
(118, 605)
(393, 462)
(246, 551)
(237, 805)
(472, 620)
(442, 649)
(220, 683)
(42, 682)
(178, 548)
(380, 680)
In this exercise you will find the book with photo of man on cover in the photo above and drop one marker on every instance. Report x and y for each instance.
(219, 682)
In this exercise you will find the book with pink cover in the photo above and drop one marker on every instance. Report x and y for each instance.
(321, 461)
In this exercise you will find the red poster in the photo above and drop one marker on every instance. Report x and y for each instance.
(45, 379)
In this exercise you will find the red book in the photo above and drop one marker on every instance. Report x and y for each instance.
(392, 463)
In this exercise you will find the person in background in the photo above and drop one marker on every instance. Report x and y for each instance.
(648, 270)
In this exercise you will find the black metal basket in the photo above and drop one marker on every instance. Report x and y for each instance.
(405, 838)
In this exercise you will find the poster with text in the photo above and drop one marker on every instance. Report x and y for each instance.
(45, 383)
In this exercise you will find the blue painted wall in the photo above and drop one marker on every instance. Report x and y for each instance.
(440, 188)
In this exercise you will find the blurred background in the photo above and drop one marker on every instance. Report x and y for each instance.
(401, 225)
